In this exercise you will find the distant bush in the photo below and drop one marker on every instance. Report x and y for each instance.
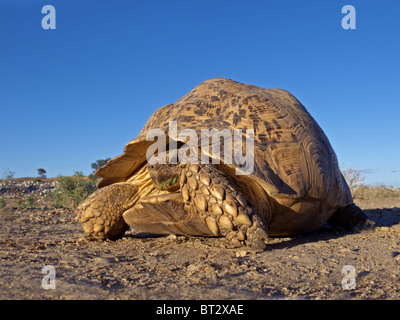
(380, 192)
(99, 163)
(71, 191)
(355, 179)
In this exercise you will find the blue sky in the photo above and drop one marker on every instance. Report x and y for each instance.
(79, 93)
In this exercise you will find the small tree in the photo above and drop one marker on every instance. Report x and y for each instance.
(41, 173)
(8, 174)
(99, 163)
(352, 176)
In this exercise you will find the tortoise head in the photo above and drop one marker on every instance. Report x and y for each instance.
(164, 176)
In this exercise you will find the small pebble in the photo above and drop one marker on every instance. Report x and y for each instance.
(241, 253)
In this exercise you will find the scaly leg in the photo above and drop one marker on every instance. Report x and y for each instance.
(101, 213)
(208, 193)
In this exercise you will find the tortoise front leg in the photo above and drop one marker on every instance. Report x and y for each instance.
(209, 194)
(101, 213)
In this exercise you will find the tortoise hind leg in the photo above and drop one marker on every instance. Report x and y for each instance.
(350, 217)
(209, 194)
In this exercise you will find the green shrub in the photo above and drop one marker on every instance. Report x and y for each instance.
(29, 201)
(2, 203)
(71, 191)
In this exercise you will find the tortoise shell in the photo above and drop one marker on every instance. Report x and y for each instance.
(295, 170)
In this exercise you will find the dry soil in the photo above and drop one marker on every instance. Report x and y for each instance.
(143, 266)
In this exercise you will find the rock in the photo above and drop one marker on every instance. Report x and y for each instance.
(241, 253)
(13, 189)
(171, 237)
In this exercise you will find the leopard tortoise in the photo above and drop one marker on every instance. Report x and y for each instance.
(295, 184)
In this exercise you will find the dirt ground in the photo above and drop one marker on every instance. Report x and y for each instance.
(143, 266)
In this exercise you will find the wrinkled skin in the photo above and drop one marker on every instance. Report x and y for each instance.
(164, 176)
